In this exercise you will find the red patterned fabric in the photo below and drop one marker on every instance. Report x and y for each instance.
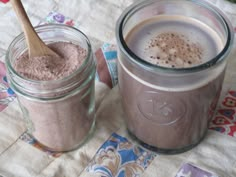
(225, 119)
(4, 1)
(6, 93)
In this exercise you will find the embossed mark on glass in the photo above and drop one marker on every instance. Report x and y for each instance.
(153, 104)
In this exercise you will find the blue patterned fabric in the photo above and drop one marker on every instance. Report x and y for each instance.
(189, 170)
(110, 54)
(118, 157)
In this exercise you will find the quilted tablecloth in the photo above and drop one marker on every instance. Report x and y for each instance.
(110, 152)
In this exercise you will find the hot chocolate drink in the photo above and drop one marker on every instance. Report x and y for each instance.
(162, 111)
(176, 42)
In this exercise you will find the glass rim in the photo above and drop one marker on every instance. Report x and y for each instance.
(37, 29)
(152, 67)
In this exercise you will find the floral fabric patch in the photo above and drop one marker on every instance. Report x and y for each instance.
(106, 58)
(4, 1)
(30, 140)
(110, 54)
(225, 118)
(118, 157)
(189, 170)
(6, 93)
(58, 18)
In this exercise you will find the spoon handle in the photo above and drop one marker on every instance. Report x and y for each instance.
(36, 46)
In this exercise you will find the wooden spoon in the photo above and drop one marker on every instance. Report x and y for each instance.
(36, 46)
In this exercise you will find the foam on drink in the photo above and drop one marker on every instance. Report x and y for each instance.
(174, 41)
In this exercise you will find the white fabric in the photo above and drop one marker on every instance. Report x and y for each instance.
(97, 20)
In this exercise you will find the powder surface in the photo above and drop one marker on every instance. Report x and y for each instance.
(46, 68)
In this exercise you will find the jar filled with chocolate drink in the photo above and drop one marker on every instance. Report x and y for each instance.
(172, 57)
(56, 94)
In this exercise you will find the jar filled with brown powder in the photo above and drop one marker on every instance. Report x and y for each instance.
(56, 95)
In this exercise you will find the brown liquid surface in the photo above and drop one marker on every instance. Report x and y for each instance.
(174, 42)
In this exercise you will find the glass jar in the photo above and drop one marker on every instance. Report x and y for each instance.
(60, 114)
(229, 8)
(168, 109)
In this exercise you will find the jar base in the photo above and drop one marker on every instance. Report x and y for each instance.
(46, 148)
(163, 150)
